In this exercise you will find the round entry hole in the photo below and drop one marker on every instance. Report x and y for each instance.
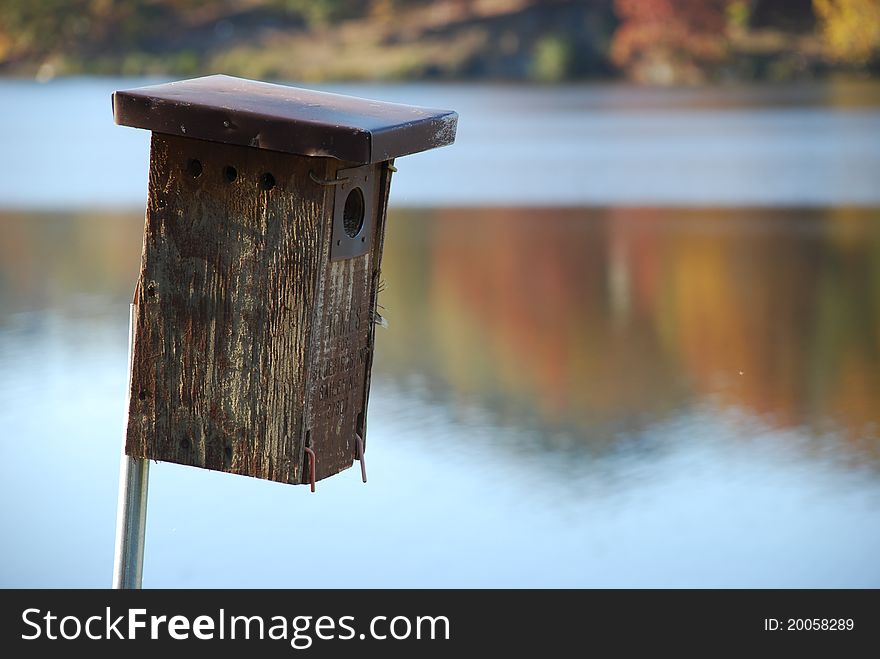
(353, 213)
(194, 167)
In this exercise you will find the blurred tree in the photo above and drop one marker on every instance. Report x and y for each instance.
(39, 29)
(87, 29)
(669, 41)
(850, 29)
(323, 12)
(655, 41)
(739, 13)
(551, 59)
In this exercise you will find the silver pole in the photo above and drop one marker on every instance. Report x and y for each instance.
(131, 508)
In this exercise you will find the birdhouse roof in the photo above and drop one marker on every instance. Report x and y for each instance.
(232, 110)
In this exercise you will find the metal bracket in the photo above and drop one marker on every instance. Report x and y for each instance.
(354, 212)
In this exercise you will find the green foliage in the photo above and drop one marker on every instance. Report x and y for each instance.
(551, 59)
(738, 13)
(322, 12)
(37, 29)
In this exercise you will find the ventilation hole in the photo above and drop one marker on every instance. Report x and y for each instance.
(142, 394)
(267, 181)
(160, 204)
(184, 443)
(151, 290)
(194, 167)
(353, 213)
(230, 173)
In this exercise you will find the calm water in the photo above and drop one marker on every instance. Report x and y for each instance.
(537, 146)
(587, 396)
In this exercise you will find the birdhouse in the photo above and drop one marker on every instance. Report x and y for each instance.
(255, 307)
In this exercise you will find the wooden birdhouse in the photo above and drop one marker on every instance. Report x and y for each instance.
(255, 308)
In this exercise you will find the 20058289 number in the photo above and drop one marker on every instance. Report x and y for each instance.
(820, 624)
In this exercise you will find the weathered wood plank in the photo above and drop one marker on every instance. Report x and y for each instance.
(376, 283)
(342, 351)
(225, 307)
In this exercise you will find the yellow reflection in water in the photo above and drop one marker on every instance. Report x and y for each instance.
(606, 320)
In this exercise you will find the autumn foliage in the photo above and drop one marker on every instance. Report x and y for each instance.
(648, 41)
(850, 28)
(663, 41)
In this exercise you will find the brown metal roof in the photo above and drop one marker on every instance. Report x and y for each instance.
(280, 118)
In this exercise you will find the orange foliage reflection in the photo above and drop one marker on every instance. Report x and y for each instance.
(612, 319)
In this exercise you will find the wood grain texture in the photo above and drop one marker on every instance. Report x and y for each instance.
(242, 318)
(341, 352)
(378, 246)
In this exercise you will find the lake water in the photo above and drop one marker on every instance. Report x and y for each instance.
(634, 340)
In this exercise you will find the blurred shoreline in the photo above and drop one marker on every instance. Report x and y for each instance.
(655, 42)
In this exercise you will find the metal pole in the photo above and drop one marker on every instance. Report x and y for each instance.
(131, 509)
